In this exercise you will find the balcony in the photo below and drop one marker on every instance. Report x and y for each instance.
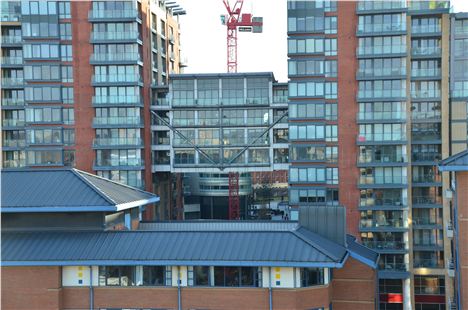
(12, 61)
(391, 266)
(432, 51)
(112, 57)
(116, 100)
(115, 36)
(280, 99)
(379, 29)
(118, 142)
(382, 158)
(427, 178)
(424, 136)
(382, 203)
(429, 6)
(117, 79)
(426, 29)
(13, 143)
(430, 116)
(381, 116)
(371, 73)
(8, 82)
(460, 93)
(427, 200)
(387, 181)
(426, 221)
(385, 245)
(10, 16)
(426, 157)
(118, 15)
(370, 6)
(428, 244)
(425, 73)
(115, 121)
(377, 94)
(428, 263)
(425, 94)
(161, 102)
(391, 137)
(15, 103)
(385, 224)
(13, 123)
(14, 163)
(122, 163)
(380, 50)
(11, 40)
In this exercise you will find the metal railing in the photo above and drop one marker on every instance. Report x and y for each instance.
(428, 263)
(378, 50)
(127, 162)
(372, 116)
(426, 200)
(383, 158)
(425, 72)
(433, 93)
(385, 245)
(391, 266)
(382, 180)
(373, 28)
(115, 99)
(113, 14)
(380, 5)
(118, 120)
(376, 72)
(387, 223)
(427, 178)
(426, 156)
(390, 202)
(116, 57)
(426, 221)
(116, 78)
(425, 29)
(380, 137)
(110, 35)
(117, 142)
(426, 51)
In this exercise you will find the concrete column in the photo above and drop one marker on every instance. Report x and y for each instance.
(407, 294)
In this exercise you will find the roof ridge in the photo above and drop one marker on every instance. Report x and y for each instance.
(97, 190)
(310, 242)
(449, 159)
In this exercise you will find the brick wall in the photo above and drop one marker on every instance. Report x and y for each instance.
(353, 286)
(31, 288)
(462, 200)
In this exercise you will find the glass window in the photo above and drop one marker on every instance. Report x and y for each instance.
(116, 275)
(312, 277)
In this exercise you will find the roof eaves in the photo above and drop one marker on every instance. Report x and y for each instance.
(449, 160)
(137, 203)
(317, 246)
(58, 209)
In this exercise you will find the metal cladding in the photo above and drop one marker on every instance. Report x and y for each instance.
(328, 222)
(61, 190)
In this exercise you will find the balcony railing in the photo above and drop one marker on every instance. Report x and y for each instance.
(428, 263)
(13, 102)
(460, 93)
(432, 115)
(14, 143)
(388, 93)
(435, 156)
(257, 100)
(116, 57)
(373, 28)
(116, 100)
(421, 94)
(10, 17)
(126, 162)
(389, 202)
(112, 14)
(13, 122)
(427, 178)
(425, 72)
(428, 5)
(381, 137)
(12, 60)
(115, 120)
(118, 142)
(426, 51)
(428, 243)
(391, 266)
(382, 158)
(13, 163)
(426, 200)
(380, 72)
(12, 82)
(426, 136)
(380, 5)
(280, 99)
(110, 35)
(117, 78)
(426, 221)
(385, 245)
(382, 180)
(379, 50)
(11, 39)
(161, 102)
(417, 29)
(388, 223)
(373, 116)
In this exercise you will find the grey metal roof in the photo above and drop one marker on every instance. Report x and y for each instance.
(221, 75)
(361, 252)
(237, 248)
(66, 190)
(457, 162)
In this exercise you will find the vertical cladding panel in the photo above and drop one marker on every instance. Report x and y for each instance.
(83, 91)
(347, 109)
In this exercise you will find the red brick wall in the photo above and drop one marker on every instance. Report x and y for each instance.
(462, 200)
(353, 286)
(31, 288)
(347, 109)
(83, 91)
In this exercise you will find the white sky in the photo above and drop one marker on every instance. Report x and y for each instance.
(204, 37)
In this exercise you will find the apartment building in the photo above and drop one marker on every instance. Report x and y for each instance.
(207, 125)
(370, 115)
(76, 80)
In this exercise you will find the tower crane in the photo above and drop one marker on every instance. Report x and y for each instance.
(234, 21)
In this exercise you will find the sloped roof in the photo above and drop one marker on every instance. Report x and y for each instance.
(234, 248)
(66, 190)
(361, 252)
(457, 162)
